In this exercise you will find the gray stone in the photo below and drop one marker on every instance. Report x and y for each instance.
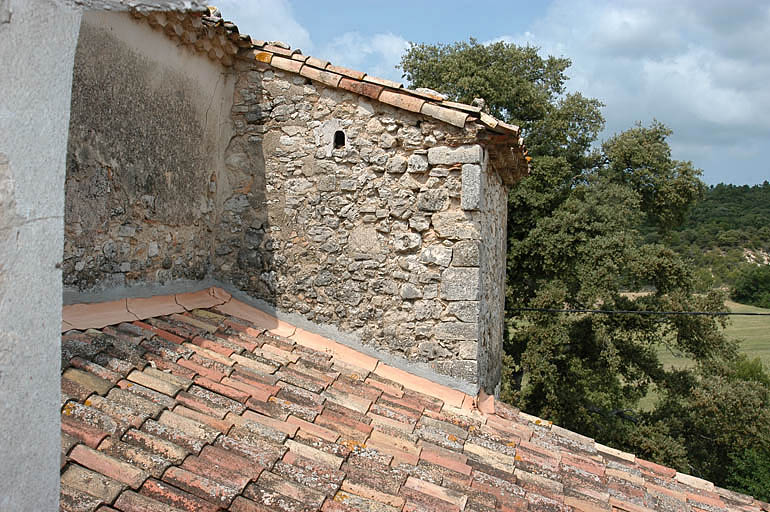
(436, 255)
(410, 291)
(327, 183)
(406, 242)
(472, 194)
(466, 254)
(432, 200)
(457, 331)
(237, 204)
(467, 349)
(126, 231)
(459, 369)
(396, 165)
(431, 350)
(443, 155)
(427, 309)
(455, 225)
(417, 163)
(439, 172)
(364, 240)
(465, 311)
(109, 249)
(419, 223)
(460, 284)
(387, 141)
(153, 249)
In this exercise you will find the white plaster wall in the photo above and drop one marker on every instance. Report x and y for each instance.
(37, 48)
(34, 115)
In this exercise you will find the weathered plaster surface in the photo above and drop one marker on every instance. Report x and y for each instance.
(34, 116)
(33, 121)
(146, 143)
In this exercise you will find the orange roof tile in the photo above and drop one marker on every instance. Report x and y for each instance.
(209, 410)
(221, 40)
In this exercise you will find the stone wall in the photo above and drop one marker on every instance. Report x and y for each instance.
(145, 145)
(383, 223)
(369, 218)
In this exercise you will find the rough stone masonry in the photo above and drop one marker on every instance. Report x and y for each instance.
(384, 223)
(370, 218)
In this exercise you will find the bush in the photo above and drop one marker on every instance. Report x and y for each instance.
(752, 286)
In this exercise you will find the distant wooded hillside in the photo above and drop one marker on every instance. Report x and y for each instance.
(720, 227)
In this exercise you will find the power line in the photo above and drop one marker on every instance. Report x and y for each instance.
(631, 312)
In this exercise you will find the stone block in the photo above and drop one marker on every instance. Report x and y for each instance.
(432, 200)
(472, 195)
(406, 242)
(456, 331)
(436, 255)
(237, 204)
(419, 223)
(458, 368)
(460, 284)
(467, 349)
(465, 311)
(431, 350)
(443, 155)
(455, 225)
(427, 309)
(410, 291)
(327, 183)
(396, 165)
(417, 163)
(465, 254)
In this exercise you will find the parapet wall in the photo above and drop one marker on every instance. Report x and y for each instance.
(378, 221)
(146, 140)
(386, 224)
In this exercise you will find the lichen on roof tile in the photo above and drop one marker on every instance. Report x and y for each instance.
(258, 421)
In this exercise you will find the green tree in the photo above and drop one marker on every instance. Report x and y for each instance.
(574, 242)
(720, 416)
(752, 286)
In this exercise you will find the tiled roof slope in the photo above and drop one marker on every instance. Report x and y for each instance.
(221, 41)
(227, 408)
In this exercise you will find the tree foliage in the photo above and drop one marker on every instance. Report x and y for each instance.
(728, 221)
(752, 286)
(574, 242)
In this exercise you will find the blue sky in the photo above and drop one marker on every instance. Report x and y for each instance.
(702, 67)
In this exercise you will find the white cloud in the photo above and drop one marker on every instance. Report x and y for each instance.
(270, 20)
(375, 54)
(700, 67)
(274, 20)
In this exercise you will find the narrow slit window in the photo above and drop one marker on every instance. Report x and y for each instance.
(339, 139)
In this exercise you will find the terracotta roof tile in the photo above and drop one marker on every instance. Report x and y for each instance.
(402, 100)
(325, 77)
(153, 306)
(363, 88)
(202, 410)
(221, 41)
(170, 496)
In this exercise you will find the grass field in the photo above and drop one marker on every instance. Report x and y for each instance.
(752, 331)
